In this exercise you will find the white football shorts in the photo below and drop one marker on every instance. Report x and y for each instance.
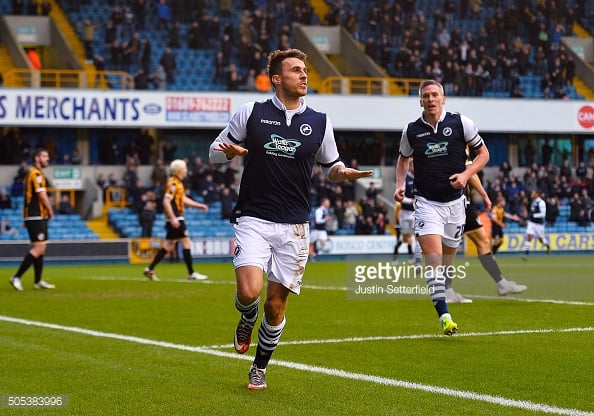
(280, 250)
(318, 235)
(537, 230)
(443, 218)
(406, 221)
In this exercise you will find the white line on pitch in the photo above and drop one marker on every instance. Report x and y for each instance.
(421, 336)
(555, 301)
(462, 394)
(344, 289)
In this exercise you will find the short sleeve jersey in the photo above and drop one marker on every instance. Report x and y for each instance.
(35, 182)
(439, 153)
(176, 191)
(276, 180)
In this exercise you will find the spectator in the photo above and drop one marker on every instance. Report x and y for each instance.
(552, 211)
(228, 200)
(145, 58)
(168, 150)
(581, 172)
(163, 13)
(193, 36)
(350, 215)
(76, 157)
(262, 83)
(6, 228)
(17, 188)
(34, 59)
(159, 174)
(173, 40)
(141, 80)
(371, 192)
(5, 199)
(159, 78)
(46, 8)
(169, 64)
(88, 37)
(208, 190)
(148, 214)
(380, 224)
(65, 207)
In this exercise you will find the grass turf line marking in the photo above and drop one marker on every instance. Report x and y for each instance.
(462, 394)
(555, 301)
(344, 289)
(421, 336)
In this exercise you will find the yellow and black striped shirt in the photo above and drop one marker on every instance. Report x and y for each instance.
(176, 191)
(35, 183)
(499, 213)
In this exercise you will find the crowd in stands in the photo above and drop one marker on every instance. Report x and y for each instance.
(518, 39)
(559, 184)
(506, 41)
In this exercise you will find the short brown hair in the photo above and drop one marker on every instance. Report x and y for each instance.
(276, 58)
(427, 82)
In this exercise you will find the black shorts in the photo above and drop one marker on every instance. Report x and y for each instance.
(37, 230)
(178, 233)
(473, 222)
(496, 231)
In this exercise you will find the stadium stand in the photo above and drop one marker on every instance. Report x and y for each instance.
(62, 227)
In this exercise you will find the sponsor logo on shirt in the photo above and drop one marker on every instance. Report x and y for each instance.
(278, 146)
(436, 149)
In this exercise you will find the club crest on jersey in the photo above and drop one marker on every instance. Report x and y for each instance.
(305, 129)
(279, 146)
(436, 149)
(447, 131)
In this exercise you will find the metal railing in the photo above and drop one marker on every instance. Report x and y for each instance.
(68, 78)
(370, 86)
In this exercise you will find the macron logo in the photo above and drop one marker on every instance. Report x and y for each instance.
(272, 122)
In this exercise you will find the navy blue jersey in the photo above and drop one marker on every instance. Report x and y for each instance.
(409, 192)
(439, 153)
(283, 147)
(538, 211)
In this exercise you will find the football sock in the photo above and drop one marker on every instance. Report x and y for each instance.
(38, 268)
(526, 247)
(25, 264)
(490, 265)
(188, 260)
(496, 247)
(249, 312)
(418, 253)
(410, 250)
(396, 247)
(158, 257)
(268, 337)
(436, 286)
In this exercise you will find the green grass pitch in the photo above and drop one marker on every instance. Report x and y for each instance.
(110, 342)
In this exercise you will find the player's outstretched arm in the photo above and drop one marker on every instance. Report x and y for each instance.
(341, 173)
(230, 150)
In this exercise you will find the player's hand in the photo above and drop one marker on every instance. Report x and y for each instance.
(231, 150)
(488, 203)
(174, 223)
(458, 180)
(399, 194)
(202, 207)
(353, 174)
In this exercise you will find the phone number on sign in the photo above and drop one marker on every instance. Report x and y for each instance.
(34, 401)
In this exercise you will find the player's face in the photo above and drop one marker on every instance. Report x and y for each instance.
(293, 79)
(43, 159)
(432, 100)
(182, 173)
